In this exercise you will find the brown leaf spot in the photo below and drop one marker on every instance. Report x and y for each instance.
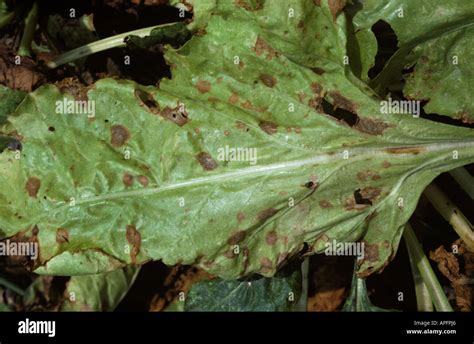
(269, 127)
(371, 126)
(134, 239)
(247, 105)
(386, 164)
(262, 47)
(206, 161)
(271, 238)
(229, 253)
(237, 237)
(32, 186)
(266, 214)
(177, 115)
(203, 86)
(127, 179)
(336, 6)
(249, 5)
(325, 204)
(465, 117)
(241, 126)
(315, 101)
(234, 98)
(119, 135)
(370, 193)
(143, 180)
(268, 80)
(350, 204)
(371, 252)
(365, 175)
(147, 101)
(405, 150)
(240, 217)
(266, 264)
(342, 102)
(62, 236)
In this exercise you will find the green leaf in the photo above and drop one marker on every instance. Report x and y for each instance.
(358, 299)
(147, 177)
(99, 292)
(170, 34)
(279, 293)
(71, 33)
(10, 100)
(435, 38)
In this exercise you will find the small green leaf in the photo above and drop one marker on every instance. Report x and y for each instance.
(279, 293)
(358, 299)
(99, 292)
(71, 33)
(10, 99)
(175, 35)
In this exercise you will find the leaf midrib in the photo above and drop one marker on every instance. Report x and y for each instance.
(358, 153)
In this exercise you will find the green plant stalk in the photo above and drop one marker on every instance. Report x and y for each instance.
(7, 19)
(423, 297)
(464, 179)
(116, 41)
(452, 214)
(303, 301)
(9, 285)
(419, 258)
(28, 33)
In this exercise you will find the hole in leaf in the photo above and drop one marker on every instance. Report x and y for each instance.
(340, 114)
(359, 199)
(387, 42)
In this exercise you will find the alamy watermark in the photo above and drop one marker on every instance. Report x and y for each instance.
(237, 154)
(392, 106)
(339, 248)
(14, 248)
(76, 107)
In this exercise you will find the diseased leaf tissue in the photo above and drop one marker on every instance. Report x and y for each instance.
(142, 178)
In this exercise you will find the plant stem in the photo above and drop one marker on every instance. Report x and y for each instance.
(29, 31)
(303, 301)
(8, 16)
(7, 284)
(101, 45)
(6, 19)
(464, 179)
(452, 214)
(423, 297)
(438, 296)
